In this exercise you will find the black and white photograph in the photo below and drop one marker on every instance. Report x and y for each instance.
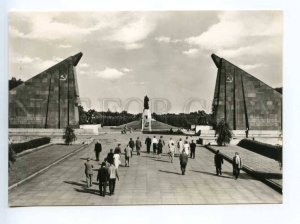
(149, 112)
(145, 108)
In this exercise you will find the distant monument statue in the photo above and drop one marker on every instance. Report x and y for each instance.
(146, 118)
(146, 102)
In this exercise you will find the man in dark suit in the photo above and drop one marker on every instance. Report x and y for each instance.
(110, 157)
(148, 144)
(98, 149)
(183, 158)
(193, 149)
(103, 177)
(118, 149)
(131, 145)
(218, 162)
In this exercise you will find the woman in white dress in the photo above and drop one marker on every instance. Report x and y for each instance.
(186, 147)
(172, 149)
(180, 145)
(117, 160)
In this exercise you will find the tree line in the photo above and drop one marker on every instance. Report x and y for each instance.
(183, 120)
(109, 118)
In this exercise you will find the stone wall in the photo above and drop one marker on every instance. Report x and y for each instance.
(244, 101)
(48, 100)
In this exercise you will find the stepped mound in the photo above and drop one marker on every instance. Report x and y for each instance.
(137, 125)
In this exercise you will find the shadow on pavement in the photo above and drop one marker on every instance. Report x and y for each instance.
(241, 176)
(165, 171)
(89, 191)
(148, 156)
(211, 174)
(76, 183)
(163, 161)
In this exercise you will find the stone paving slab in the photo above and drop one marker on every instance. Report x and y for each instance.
(32, 162)
(263, 166)
(147, 181)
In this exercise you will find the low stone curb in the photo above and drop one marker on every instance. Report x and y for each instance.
(250, 171)
(49, 166)
(32, 150)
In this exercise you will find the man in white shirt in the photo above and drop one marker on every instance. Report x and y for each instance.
(154, 144)
(236, 165)
(171, 145)
(113, 174)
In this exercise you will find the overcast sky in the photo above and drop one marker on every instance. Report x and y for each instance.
(165, 55)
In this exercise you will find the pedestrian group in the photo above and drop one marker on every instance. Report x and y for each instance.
(108, 172)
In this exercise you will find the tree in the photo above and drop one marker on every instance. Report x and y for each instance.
(224, 133)
(91, 115)
(13, 83)
(83, 118)
(11, 155)
(69, 135)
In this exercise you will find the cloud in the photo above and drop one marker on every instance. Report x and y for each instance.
(192, 52)
(34, 65)
(84, 65)
(110, 73)
(126, 70)
(57, 26)
(64, 46)
(136, 29)
(234, 27)
(248, 67)
(163, 39)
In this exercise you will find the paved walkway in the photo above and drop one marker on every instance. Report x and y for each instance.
(263, 166)
(147, 181)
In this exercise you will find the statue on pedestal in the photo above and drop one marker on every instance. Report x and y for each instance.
(146, 118)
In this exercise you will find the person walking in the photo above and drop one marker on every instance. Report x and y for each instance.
(187, 139)
(193, 149)
(183, 158)
(117, 160)
(110, 157)
(154, 144)
(218, 163)
(180, 146)
(88, 172)
(171, 146)
(102, 177)
(113, 174)
(98, 149)
(131, 145)
(127, 152)
(236, 165)
(159, 148)
(162, 140)
(118, 149)
(247, 132)
(138, 146)
(186, 147)
(148, 144)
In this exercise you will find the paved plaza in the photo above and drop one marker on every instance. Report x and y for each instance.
(148, 180)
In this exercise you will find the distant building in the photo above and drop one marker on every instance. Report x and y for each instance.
(48, 100)
(244, 101)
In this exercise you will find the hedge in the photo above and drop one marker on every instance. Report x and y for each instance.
(20, 147)
(268, 150)
(168, 132)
